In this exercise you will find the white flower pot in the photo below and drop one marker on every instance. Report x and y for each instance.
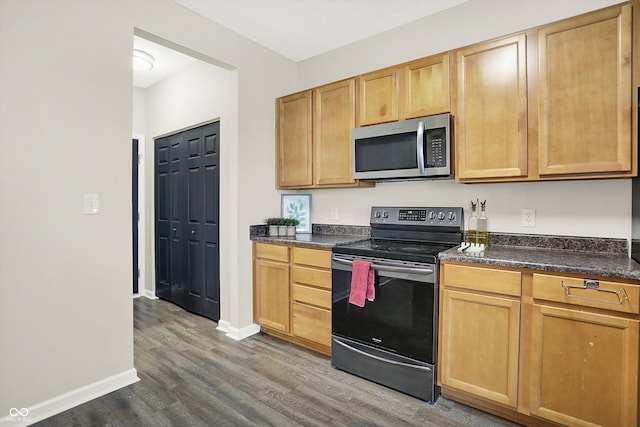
(273, 230)
(291, 230)
(282, 230)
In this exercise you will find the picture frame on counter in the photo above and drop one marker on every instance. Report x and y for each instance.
(298, 206)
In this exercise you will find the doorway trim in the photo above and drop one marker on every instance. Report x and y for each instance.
(142, 254)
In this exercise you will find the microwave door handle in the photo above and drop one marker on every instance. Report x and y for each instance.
(420, 147)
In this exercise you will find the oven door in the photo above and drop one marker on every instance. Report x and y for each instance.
(402, 317)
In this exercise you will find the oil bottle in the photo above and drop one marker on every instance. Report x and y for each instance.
(472, 229)
(483, 234)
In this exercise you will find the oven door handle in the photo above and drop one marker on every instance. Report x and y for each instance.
(390, 268)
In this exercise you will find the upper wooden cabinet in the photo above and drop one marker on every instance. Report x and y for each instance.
(425, 87)
(378, 97)
(491, 109)
(585, 94)
(294, 140)
(334, 119)
(554, 103)
(550, 103)
(313, 137)
(414, 89)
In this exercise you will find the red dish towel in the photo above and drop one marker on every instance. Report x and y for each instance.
(362, 281)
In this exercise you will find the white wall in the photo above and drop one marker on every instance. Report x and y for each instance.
(139, 110)
(586, 208)
(65, 130)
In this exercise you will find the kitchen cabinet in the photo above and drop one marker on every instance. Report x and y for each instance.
(540, 348)
(294, 140)
(491, 109)
(311, 295)
(292, 294)
(550, 103)
(584, 362)
(584, 86)
(479, 332)
(425, 87)
(378, 97)
(313, 137)
(414, 89)
(334, 118)
(271, 286)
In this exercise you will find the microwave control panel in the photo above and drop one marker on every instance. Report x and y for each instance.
(436, 148)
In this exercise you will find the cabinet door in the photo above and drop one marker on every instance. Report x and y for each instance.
(479, 343)
(378, 97)
(585, 94)
(271, 294)
(584, 368)
(491, 110)
(293, 140)
(334, 119)
(424, 87)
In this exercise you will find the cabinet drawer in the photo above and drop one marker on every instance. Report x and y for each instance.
(312, 296)
(314, 257)
(482, 279)
(608, 295)
(311, 276)
(312, 323)
(274, 252)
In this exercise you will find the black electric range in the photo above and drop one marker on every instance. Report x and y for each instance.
(391, 338)
(409, 234)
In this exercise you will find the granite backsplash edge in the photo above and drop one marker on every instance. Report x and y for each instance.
(602, 245)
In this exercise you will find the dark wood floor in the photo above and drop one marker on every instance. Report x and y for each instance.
(192, 374)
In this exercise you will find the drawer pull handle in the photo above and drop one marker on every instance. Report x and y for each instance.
(595, 285)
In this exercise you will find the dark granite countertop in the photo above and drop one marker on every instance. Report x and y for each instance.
(614, 265)
(322, 236)
(312, 240)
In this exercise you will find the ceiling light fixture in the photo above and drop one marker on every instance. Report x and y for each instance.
(142, 60)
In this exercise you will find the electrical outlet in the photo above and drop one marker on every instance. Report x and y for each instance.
(334, 213)
(528, 217)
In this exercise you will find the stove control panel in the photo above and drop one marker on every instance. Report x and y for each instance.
(444, 217)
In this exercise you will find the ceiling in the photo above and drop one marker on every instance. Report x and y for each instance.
(300, 29)
(166, 62)
(296, 29)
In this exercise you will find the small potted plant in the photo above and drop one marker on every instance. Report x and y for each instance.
(292, 223)
(282, 227)
(272, 225)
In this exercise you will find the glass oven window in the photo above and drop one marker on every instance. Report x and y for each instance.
(400, 319)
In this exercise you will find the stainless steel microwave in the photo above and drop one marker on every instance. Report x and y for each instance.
(410, 149)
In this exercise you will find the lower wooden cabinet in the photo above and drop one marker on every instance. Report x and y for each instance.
(479, 333)
(563, 350)
(584, 363)
(298, 307)
(271, 286)
(480, 345)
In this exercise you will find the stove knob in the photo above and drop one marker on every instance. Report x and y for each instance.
(376, 214)
(432, 215)
(385, 214)
(452, 216)
(441, 216)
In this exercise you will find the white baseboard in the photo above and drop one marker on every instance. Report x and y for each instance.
(145, 293)
(238, 334)
(58, 404)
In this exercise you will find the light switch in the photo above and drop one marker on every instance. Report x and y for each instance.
(91, 204)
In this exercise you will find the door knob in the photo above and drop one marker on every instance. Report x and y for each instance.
(193, 232)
